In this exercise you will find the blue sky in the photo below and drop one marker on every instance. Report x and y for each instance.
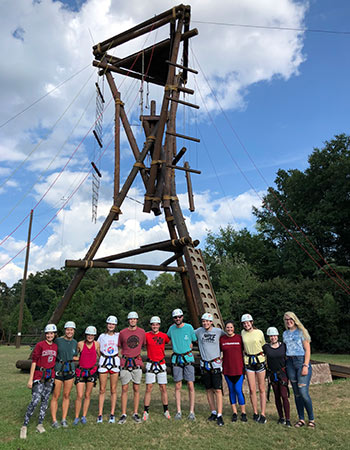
(283, 93)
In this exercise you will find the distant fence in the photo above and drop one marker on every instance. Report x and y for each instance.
(26, 339)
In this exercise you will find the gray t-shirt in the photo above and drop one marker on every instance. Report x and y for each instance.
(209, 345)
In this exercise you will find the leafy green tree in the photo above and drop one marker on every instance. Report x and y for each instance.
(318, 200)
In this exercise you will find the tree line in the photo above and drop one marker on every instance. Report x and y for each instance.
(264, 273)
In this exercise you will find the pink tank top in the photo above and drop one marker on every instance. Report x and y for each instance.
(87, 358)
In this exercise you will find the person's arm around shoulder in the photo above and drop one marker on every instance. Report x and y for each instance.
(193, 334)
(98, 349)
(262, 338)
(79, 350)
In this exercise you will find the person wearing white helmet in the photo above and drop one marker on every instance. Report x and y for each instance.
(109, 363)
(155, 366)
(231, 345)
(131, 340)
(208, 338)
(182, 336)
(86, 372)
(41, 378)
(65, 372)
(275, 353)
(255, 365)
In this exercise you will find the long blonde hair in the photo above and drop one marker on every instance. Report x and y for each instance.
(298, 324)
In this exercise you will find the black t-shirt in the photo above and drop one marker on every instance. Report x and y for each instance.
(276, 357)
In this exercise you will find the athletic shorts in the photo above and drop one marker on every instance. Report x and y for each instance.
(113, 370)
(212, 380)
(91, 379)
(134, 375)
(183, 373)
(160, 377)
(257, 368)
(64, 376)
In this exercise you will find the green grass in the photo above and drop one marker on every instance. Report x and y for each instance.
(331, 405)
(342, 360)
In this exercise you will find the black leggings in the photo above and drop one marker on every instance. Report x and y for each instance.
(281, 392)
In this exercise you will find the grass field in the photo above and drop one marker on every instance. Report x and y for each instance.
(331, 405)
(342, 360)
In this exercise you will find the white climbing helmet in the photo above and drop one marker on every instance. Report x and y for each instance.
(246, 318)
(207, 316)
(155, 319)
(133, 315)
(91, 330)
(112, 319)
(50, 328)
(177, 312)
(272, 331)
(70, 324)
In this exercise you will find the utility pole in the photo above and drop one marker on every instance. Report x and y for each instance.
(21, 303)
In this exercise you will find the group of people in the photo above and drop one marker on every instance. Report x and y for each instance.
(60, 362)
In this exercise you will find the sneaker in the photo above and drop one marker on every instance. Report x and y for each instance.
(262, 419)
(244, 417)
(111, 418)
(145, 416)
(83, 420)
(256, 417)
(55, 425)
(76, 421)
(212, 417)
(220, 421)
(136, 418)
(64, 423)
(122, 419)
(288, 424)
(281, 421)
(99, 419)
(234, 417)
(40, 428)
(23, 432)
(167, 414)
(191, 416)
(178, 415)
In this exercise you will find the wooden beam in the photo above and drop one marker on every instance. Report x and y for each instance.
(107, 265)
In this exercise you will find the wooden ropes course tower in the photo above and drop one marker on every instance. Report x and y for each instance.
(163, 69)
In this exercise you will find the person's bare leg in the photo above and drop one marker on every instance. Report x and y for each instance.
(252, 391)
(148, 393)
(163, 394)
(178, 386)
(101, 397)
(124, 398)
(136, 389)
(67, 387)
(79, 399)
(113, 382)
(211, 399)
(191, 395)
(262, 390)
(218, 395)
(54, 401)
(88, 391)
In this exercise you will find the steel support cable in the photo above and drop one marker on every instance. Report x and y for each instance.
(45, 95)
(267, 184)
(342, 286)
(47, 134)
(70, 158)
(57, 212)
(267, 27)
(50, 164)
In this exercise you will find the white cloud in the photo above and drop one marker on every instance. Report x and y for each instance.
(73, 232)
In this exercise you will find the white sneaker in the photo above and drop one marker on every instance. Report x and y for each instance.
(167, 415)
(40, 428)
(145, 416)
(23, 432)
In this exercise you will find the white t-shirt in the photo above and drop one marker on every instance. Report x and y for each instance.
(109, 347)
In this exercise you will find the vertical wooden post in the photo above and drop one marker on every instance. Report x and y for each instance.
(117, 147)
(21, 303)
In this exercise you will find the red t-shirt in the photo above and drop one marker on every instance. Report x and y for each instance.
(232, 350)
(156, 344)
(131, 342)
(44, 355)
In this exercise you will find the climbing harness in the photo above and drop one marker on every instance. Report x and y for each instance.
(276, 377)
(180, 360)
(67, 368)
(254, 363)
(207, 366)
(130, 363)
(109, 363)
(156, 366)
